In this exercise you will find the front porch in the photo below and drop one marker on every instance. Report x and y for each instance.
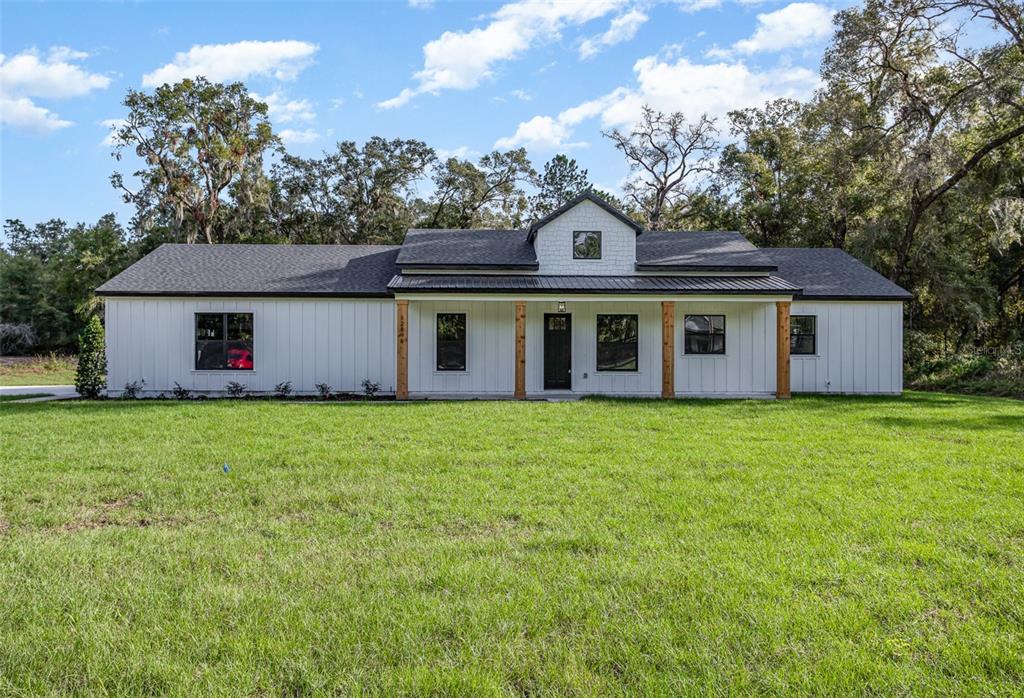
(502, 346)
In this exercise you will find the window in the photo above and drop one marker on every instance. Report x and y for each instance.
(451, 341)
(586, 244)
(802, 334)
(224, 342)
(704, 334)
(617, 343)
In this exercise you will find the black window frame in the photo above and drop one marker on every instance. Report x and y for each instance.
(793, 336)
(635, 342)
(576, 245)
(438, 341)
(225, 340)
(710, 334)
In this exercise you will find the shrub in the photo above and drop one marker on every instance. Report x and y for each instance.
(90, 378)
(132, 390)
(235, 389)
(324, 390)
(16, 337)
(180, 393)
(283, 389)
(370, 388)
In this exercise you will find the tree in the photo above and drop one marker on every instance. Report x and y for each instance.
(90, 377)
(48, 276)
(196, 139)
(488, 194)
(355, 195)
(923, 85)
(764, 170)
(667, 158)
(562, 179)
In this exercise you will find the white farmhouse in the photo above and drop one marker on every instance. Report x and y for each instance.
(584, 302)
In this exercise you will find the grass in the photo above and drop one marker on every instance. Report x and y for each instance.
(38, 370)
(26, 396)
(819, 546)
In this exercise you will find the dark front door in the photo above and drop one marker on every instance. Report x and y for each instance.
(557, 352)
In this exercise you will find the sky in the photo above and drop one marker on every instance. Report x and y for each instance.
(464, 77)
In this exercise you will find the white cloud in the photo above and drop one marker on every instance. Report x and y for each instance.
(623, 28)
(797, 24)
(55, 77)
(337, 103)
(22, 114)
(697, 5)
(286, 111)
(283, 60)
(680, 85)
(25, 76)
(293, 136)
(112, 126)
(521, 95)
(462, 152)
(421, 4)
(460, 60)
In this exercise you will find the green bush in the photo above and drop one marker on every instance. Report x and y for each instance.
(90, 378)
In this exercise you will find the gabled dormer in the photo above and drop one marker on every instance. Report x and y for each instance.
(585, 236)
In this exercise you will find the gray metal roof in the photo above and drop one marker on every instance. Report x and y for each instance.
(828, 273)
(426, 248)
(258, 270)
(705, 250)
(531, 283)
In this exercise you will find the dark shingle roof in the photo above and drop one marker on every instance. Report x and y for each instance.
(706, 250)
(426, 248)
(828, 273)
(258, 270)
(494, 283)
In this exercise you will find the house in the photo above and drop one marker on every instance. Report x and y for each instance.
(585, 301)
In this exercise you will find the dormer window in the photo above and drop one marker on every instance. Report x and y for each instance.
(586, 244)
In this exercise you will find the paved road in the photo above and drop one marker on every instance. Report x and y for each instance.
(58, 390)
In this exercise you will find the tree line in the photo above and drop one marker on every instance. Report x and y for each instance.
(910, 156)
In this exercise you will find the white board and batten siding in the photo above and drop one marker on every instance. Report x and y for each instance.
(490, 350)
(338, 341)
(747, 369)
(859, 348)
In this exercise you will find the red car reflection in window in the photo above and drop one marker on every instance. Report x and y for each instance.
(240, 359)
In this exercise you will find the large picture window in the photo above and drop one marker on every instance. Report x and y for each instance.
(586, 244)
(451, 341)
(704, 334)
(224, 342)
(617, 348)
(803, 330)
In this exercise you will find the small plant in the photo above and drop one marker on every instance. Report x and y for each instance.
(235, 389)
(180, 393)
(283, 389)
(131, 390)
(90, 378)
(370, 388)
(324, 390)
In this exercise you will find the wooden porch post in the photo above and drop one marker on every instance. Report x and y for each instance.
(520, 390)
(402, 329)
(782, 350)
(668, 350)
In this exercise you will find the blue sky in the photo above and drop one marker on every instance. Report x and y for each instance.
(464, 77)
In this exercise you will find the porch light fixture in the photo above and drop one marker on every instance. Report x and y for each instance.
(561, 306)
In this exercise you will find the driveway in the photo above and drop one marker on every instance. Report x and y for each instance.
(56, 390)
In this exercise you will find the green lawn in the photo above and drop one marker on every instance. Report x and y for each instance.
(39, 370)
(816, 546)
